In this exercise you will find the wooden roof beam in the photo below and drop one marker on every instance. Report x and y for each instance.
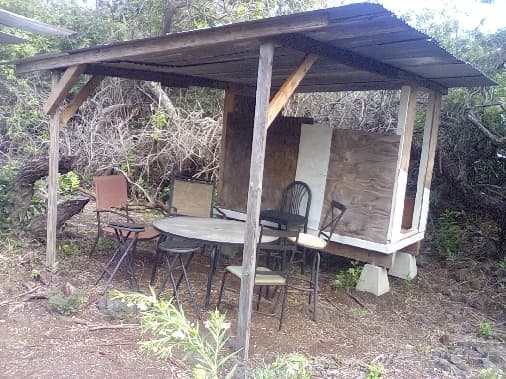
(168, 79)
(80, 98)
(288, 88)
(349, 58)
(62, 88)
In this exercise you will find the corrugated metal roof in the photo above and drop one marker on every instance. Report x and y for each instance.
(361, 47)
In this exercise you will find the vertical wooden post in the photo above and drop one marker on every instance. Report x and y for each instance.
(405, 124)
(430, 134)
(228, 107)
(52, 193)
(254, 194)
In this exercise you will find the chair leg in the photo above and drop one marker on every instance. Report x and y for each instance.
(316, 269)
(259, 296)
(283, 304)
(190, 292)
(90, 254)
(221, 289)
(156, 263)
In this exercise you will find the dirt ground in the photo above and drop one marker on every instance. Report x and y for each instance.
(425, 328)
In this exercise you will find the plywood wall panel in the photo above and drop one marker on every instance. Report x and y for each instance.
(280, 160)
(361, 175)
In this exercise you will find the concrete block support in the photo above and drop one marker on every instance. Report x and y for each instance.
(374, 279)
(403, 266)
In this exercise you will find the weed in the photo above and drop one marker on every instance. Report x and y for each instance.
(484, 329)
(348, 278)
(290, 366)
(489, 373)
(408, 284)
(35, 274)
(67, 183)
(67, 247)
(502, 266)
(338, 360)
(67, 305)
(11, 245)
(424, 349)
(450, 235)
(374, 370)
(357, 312)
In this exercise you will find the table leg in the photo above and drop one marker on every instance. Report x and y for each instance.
(213, 263)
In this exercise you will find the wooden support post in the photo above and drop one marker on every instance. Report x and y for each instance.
(254, 194)
(288, 88)
(52, 193)
(228, 107)
(62, 88)
(405, 124)
(427, 161)
(78, 99)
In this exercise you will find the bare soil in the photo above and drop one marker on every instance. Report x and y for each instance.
(424, 328)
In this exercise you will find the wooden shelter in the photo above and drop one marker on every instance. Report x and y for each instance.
(260, 64)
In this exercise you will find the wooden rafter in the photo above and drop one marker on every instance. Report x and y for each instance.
(289, 86)
(79, 98)
(352, 59)
(62, 88)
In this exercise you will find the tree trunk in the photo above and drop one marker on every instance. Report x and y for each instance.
(168, 16)
(65, 211)
(30, 172)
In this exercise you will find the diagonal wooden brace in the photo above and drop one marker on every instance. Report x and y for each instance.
(62, 88)
(80, 98)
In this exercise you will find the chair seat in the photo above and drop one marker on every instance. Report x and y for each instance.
(264, 276)
(280, 217)
(149, 232)
(310, 241)
(179, 246)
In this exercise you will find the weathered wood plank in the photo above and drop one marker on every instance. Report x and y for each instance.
(58, 93)
(79, 98)
(183, 42)
(405, 125)
(254, 195)
(288, 88)
(228, 108)
(359, 254)
(52, 192)
(10, 38)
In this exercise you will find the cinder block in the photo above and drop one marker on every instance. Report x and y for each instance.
(374, 279)
(403, 266)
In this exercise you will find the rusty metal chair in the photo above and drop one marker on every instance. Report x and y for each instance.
(286, 246)
(309, 242)
(112, 200)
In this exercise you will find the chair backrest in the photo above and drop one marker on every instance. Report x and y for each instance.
(296, 199)
(111, 191)
(285, 244)
(332, 217)
(190, 197)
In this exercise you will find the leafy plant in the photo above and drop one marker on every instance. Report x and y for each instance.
(449, 239)
(489, 373)
(172, 330)
(374, 370)
(290, 366)
(7, 174)
(67, 305)
(348, 278)
(67, 247)
(484, 329)
(68, 182)
(35, 274)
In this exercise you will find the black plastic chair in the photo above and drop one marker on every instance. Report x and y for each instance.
(266, 277)
(294, 209)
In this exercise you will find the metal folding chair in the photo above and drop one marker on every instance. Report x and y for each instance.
(127, 236)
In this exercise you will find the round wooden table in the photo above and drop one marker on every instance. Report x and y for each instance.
(211, 231)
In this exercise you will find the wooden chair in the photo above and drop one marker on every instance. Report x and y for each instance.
(112, 200)
(266, 277)
(318, 243)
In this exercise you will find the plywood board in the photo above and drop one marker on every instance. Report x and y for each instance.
(280, 160)
(361, 175)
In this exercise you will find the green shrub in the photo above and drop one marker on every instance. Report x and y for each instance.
(374, 370)
(489, 373)
(348, 278)
(67, 305)
(68, 182)
(485, 329)
(7, 174)
(449, 239)
(290, 366)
